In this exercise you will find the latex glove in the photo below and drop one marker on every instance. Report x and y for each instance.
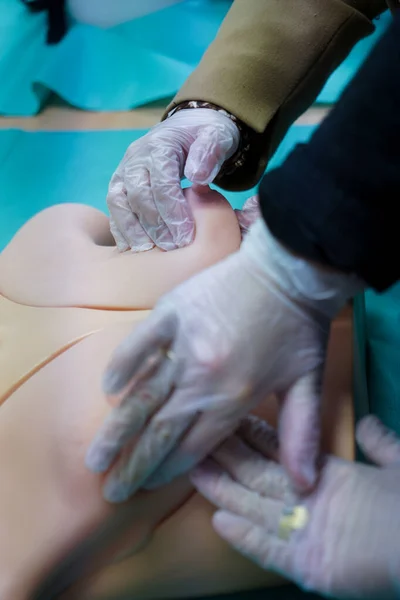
(248, 214)
(212, 349)
(349, 545)
(145, 199)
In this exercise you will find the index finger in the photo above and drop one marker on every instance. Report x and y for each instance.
(135, 466)
(139, 347)
(170, 199)
(129, 418)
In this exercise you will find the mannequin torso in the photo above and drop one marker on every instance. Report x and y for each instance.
(68, 299)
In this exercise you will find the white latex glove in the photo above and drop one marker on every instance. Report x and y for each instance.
(145, 199)
(349, 543)
(213, 349)
(248, 215)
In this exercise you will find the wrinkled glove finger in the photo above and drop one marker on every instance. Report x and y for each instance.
(379, 444)
(212, 427)
(221, 490)
(140, 198)
(248, 214)
(299, 430)
(252, 207)
(130, 417)
(119, 238)
(137, 354)
(135, 467)
(170, 201)
(210, 430)
(251, 469)
(252, 541)
(260, 436)
(212, 147)
(124, 220)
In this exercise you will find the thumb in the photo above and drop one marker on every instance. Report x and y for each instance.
(299, 430)
(206, 155)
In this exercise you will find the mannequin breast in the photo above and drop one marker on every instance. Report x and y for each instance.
(65, 256)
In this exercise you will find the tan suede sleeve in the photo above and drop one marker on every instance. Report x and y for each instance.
(268, 63)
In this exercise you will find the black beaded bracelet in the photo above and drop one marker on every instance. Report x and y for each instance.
(239, 157)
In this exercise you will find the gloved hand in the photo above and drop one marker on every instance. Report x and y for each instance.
(145, 198)
(248, 215)
(342, 540)
(213, 348)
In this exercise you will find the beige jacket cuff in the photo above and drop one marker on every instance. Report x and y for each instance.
(268, 63)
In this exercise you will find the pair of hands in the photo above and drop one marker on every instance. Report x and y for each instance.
(349, 544)
(216, 346)
(213, 349)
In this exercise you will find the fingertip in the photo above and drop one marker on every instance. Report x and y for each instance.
(378, 443)
(228, 525)
(307, 477)
(114, 492)
(122, 245)
(154, 483)
(111, 382)
(120, 485)
(301, 471)
(145, 247)
(162, 476)
(179, 235)
(167, 246)
(201, 169)
(120, 241)
(201, 189)
(221, 519)
(95, 460)
(367, 425)
(299, 431)
(201, 176)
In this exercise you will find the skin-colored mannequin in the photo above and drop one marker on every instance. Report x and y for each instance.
(64, 258)
(78, 265)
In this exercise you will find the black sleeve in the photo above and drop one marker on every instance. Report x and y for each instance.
(336, 199)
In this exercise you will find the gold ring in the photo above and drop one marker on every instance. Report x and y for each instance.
(170, 355)
(292, 519)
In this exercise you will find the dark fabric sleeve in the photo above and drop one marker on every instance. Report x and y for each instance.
(336, 199)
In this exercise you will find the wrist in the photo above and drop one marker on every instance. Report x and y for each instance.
(304, 283)
(239, 157)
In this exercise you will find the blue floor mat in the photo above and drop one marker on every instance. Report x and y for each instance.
(123, 67)
(38, 170)
(94, 69)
